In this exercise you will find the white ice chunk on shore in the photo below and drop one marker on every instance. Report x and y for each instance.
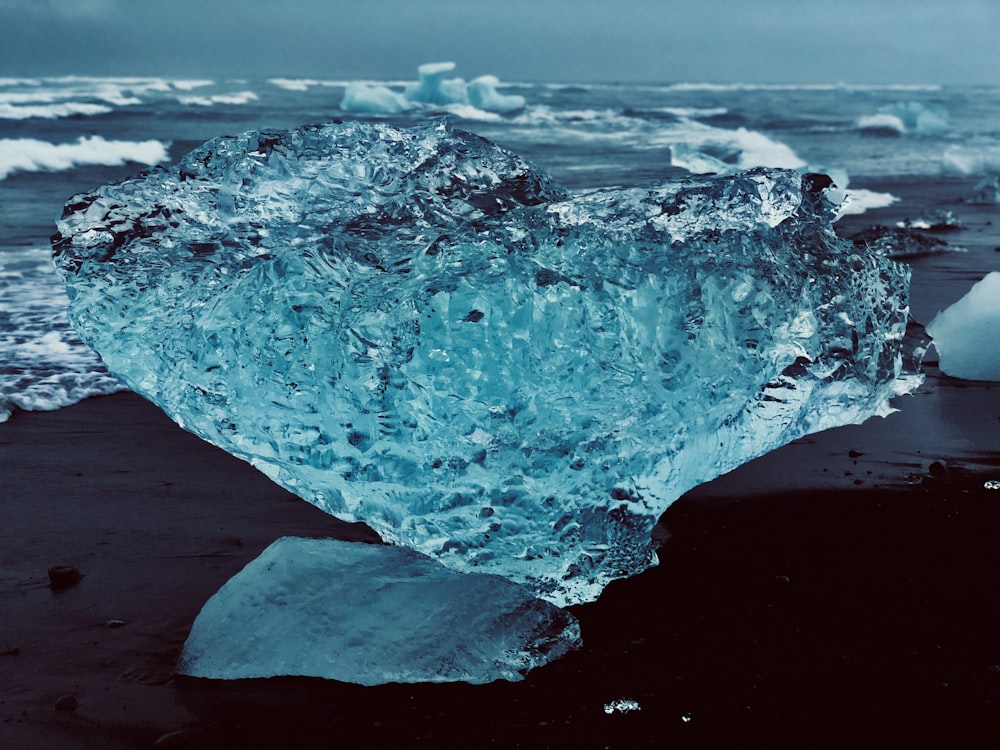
(371, 614)
(419, 329)
(967, 334)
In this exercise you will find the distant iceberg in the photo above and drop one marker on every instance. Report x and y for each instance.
(432, 89)
(369, 99)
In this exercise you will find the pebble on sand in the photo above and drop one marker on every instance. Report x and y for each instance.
(64, 576)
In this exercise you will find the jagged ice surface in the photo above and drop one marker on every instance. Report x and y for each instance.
(418, 329)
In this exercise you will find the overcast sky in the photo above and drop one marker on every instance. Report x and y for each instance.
(853, 41)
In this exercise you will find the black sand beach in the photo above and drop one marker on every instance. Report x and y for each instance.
(840, 592)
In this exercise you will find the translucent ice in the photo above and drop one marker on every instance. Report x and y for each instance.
(967, 334)
(373, 100)
(371, 614)
(433, 88)
(483, 94)
(417, 329)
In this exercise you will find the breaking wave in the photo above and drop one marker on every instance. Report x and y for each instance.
(971, 160)
(32, 155)
(10, 111)
(906, 117)
(73, 96)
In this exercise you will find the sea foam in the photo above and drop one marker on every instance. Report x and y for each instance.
(43, 363)
(32, 155)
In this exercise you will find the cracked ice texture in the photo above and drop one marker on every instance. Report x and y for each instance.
(418, 329)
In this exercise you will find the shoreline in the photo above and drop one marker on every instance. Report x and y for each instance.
(776, 608)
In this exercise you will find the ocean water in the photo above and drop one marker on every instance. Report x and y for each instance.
(59, 136)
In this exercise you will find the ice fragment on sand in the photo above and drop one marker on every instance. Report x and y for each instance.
(622, 706)
(418, 329)
(371, 614)
(942, 220)
(967, 334)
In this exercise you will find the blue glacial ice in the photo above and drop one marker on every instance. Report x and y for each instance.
(371, 614)
(967, 333)
(431, 89)
(418, 329)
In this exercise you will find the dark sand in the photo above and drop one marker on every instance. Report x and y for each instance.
(841, 592)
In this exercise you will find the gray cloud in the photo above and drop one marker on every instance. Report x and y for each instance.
(651, 40)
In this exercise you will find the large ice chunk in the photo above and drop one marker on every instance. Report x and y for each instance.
(418, 329)
(371, 614)
(967, 334)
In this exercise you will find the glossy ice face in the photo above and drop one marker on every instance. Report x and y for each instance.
(417, 329)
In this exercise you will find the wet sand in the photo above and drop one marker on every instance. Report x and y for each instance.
(839, 592)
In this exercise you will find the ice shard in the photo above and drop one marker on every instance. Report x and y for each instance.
(418, 329)
(371, 614)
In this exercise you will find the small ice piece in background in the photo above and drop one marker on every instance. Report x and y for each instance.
(483, 94)
(986, 192)
(433, 88)
(471, 100)
(991, 484)
(373, 100)
(942, 220)
(622, 706)
(967, 334)
(371, 614)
